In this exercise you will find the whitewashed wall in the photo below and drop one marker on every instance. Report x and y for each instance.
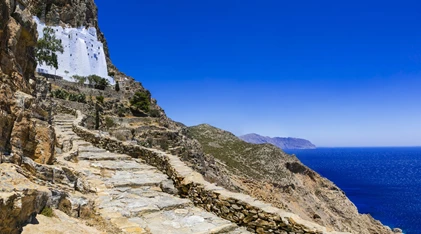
(83, 53)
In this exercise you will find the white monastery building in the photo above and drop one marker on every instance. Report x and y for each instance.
(83, 53)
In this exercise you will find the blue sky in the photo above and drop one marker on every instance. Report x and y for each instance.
(336, 73)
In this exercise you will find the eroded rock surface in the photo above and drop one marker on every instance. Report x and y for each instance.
(20, 199)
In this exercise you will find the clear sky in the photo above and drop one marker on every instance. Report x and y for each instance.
(339, 73)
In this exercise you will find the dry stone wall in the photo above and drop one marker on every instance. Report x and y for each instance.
(239, 208)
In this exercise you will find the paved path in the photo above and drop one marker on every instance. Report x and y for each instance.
(130, 194)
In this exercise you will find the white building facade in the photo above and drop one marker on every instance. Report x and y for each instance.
(83, 53)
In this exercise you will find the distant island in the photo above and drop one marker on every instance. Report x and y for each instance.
(281, 142)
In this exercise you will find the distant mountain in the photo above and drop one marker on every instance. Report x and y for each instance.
(281, 142)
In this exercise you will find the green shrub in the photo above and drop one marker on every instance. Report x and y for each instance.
(141, 101)
(97, 82)
(73, 97)
(81, 97)
(47, 212)
(149, 141)
(154, 113)
(80, 79)
(100, 99)
(164, 145)
(109, 122)
(77, 97)
(60, 94)
(121, 111)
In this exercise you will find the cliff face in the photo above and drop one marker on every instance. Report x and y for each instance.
(24, 106)
(280, 142)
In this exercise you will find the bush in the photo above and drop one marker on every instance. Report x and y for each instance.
(100, 99)
(81, 97)
(77, 97)
(164, 145)
(98, 82)
(121, 111)
(109, 122)
(154, 113)
(73, 97)
(47, 212)
(141, 101)
(60, 94)
(80, 79)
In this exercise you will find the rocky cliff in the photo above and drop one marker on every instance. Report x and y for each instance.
(280, 142)
(24, 106)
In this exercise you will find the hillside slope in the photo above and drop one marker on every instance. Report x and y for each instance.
(266, 172)
(281, 142)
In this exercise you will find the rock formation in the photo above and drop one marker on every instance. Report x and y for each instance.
(24, 114)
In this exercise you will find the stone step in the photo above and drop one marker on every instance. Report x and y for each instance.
(182, 221)
(63, 122)
(80, 142)
(135, 179)
(102, 156)
(64, 127)
(131, 203)
(91, 149)
(126, 165)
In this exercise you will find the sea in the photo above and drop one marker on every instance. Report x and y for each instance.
(383, 182)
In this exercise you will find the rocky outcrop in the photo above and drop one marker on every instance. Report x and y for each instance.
(24, 105)
(280, 142)
(20, 199)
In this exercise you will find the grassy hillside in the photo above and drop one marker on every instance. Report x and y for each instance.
(260, 162)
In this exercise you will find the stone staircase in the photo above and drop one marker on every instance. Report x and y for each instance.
(132, 195)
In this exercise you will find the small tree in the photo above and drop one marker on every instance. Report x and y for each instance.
(97, 82)
(97, 117)
(81, 80)
(47, 47)
(117, 86)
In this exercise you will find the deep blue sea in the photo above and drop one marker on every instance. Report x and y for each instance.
(384, 182)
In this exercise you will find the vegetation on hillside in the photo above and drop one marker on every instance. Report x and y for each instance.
(74, 97)
(253, 161)
(141, 101)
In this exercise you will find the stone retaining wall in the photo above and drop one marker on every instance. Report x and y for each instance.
(239, 208)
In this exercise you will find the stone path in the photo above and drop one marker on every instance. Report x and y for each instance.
(130, 194)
